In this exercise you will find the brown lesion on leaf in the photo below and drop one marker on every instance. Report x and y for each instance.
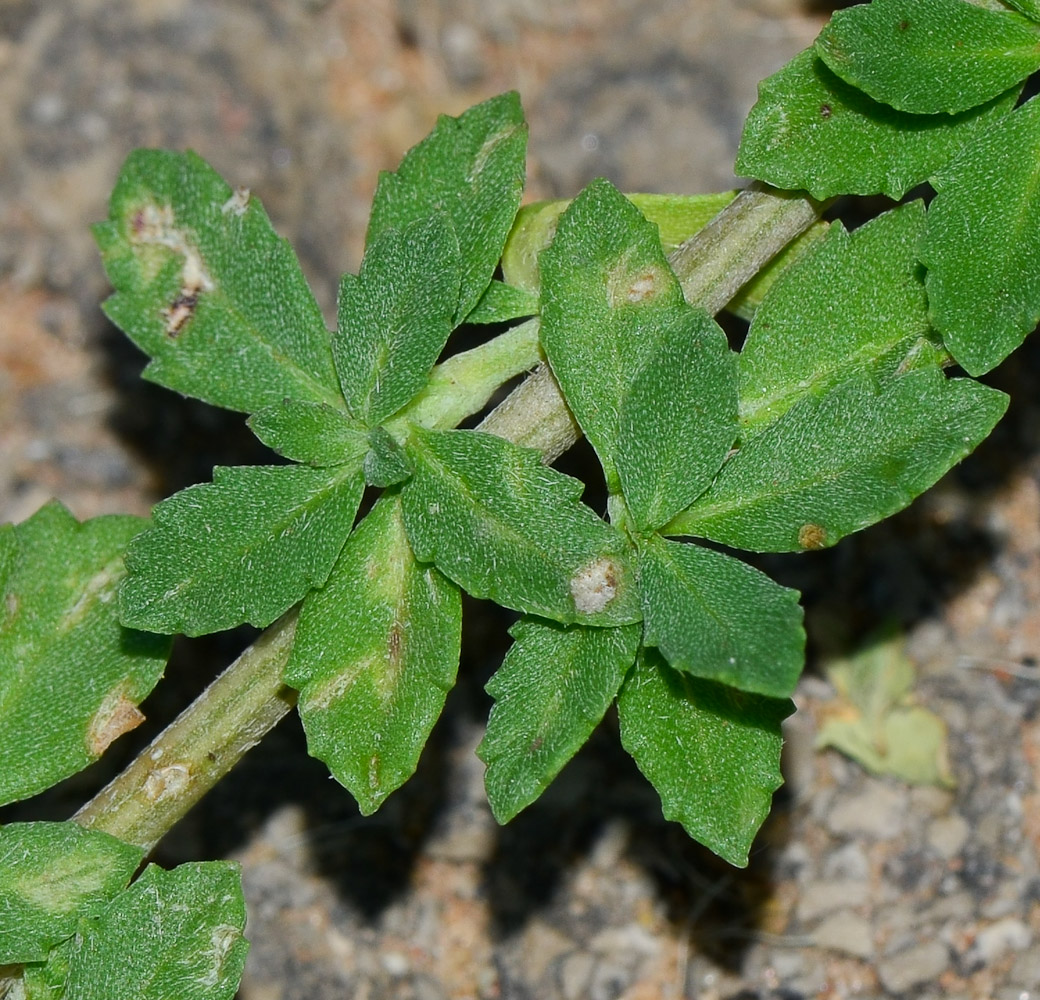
(629, 285)
(237, 203)
(594, 586)
(116, 715)
(154, 225)
(812, 536)
(826, 111)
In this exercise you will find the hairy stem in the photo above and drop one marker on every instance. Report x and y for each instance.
(712, 266)
(186, 760)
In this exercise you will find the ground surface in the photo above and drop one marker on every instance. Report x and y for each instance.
(860, 886)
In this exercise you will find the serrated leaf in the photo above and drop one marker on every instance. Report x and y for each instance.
(837, 463)
(609, 300)
(712, 752)
(375, 654)
(677, 218)
(716, 617)
(71, 676)
(502, 525)
(208, 290)
(472, 168)
(930, 56)
(396, 315)
(809, 130)
(553, 688)
(852, 302)
(982, 250)
(315, 433)
(678, 421)
(501, 303)
(243, 548)
(171, 934)
(51, 874)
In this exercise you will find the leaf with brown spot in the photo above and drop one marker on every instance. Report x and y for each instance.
(375, 654)
(70, 675)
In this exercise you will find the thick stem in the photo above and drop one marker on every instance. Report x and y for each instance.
(712, 266)
(195, 751)
(248, 699)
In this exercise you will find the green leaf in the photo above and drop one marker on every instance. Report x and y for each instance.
(208, 290)
(553, 688)
(929, 56)
(170, 934)
(851, 304)
(472, 168)
(375, 654)
(47, 980)
(502, 303)
(386, 463)
(712, 752)
(243, 548)
(51, 874)
(838, 463)
(677, 218)
(502, 525)
(810, 130)
(678, 421)
(315, 433)
(71, 676)
(983, 245)
(609, 302)
(396, 315)
(716, 617)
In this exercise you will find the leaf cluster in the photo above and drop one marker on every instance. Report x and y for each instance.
(835, 412)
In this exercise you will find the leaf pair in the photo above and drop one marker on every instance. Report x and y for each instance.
(896, 93)
(67, 914)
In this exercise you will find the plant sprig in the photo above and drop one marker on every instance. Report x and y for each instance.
(836, 412)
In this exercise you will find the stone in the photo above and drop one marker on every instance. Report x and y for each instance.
(846, 932)
(919, 964)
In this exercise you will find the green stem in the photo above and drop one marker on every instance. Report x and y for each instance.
(195, 751)
(186, 760)
(712, 266)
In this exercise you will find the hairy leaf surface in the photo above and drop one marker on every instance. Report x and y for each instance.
(809, 130)
(837, 463)
(375, 654)
(51, 874)
(712, 752)
(677, 421)
(171, 934)
(553, 688)
(244, 548)
(611, 306)
(208, 290)
(471, 168)
(71, 676)
(315, 433)
(502, 525)
(396, 315)
(853, 302)
(983, 246)
(930, 56)
(716, 617)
